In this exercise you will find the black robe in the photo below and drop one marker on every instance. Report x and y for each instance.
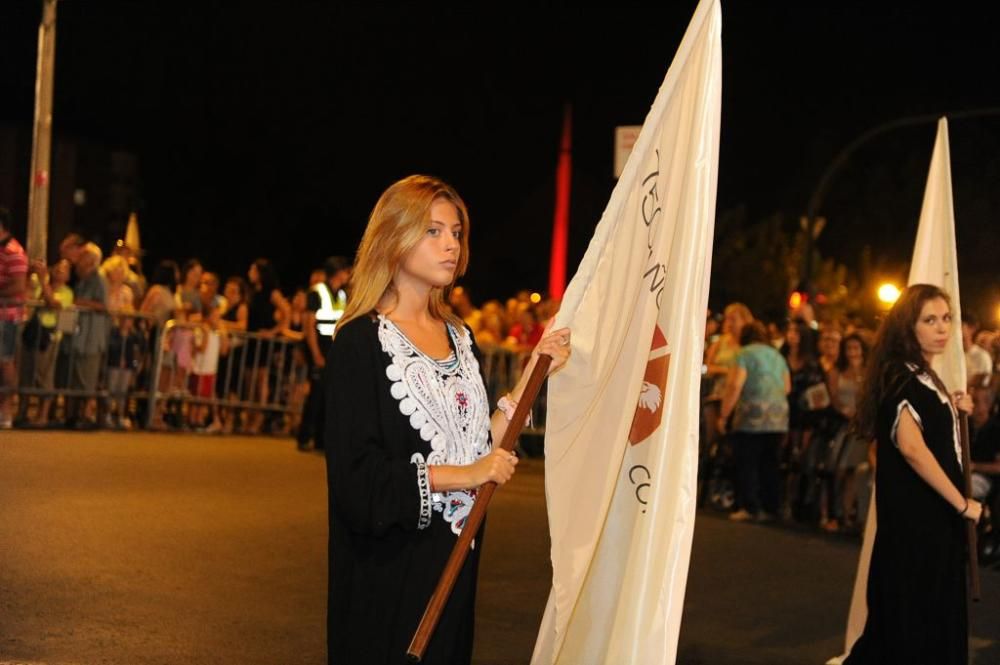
(383, 569)
(917, 612)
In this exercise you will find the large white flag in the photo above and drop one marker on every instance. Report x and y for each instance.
(935, 261)
(622, 431)
(935, 257)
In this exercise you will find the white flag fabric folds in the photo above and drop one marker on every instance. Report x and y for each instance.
(935, 256)
(622, 424)
(935, 261)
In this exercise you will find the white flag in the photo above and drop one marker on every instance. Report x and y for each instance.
(935, 257)
(622, 431)
(935, 261)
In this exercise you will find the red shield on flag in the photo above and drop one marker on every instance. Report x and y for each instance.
(649, 410)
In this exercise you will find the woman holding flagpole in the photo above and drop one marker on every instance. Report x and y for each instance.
(917, 611)
(410, 435)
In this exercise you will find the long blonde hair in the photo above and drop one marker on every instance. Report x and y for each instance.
(740, 310)
(398, 222)
(112, 263)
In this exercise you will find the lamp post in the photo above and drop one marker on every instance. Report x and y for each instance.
(41, 144)
(841, 159)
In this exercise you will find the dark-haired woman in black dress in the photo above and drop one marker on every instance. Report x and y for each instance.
(264, 304)
(917, 611)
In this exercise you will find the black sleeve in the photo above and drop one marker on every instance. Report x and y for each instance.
(371, 488)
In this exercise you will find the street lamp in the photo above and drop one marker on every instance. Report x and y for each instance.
(888, 294)
(796, 300)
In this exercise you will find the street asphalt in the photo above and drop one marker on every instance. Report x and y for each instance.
(150, 549)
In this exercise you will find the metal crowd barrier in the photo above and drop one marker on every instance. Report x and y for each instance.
(92, 363)
(254, 371)
(74, 354)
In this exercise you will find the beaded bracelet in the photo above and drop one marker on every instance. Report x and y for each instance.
(507, 406)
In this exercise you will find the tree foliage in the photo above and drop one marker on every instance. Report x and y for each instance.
(761, 263)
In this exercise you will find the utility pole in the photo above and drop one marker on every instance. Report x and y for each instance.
(41, 151)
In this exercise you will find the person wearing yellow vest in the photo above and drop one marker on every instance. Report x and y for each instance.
(324, 307)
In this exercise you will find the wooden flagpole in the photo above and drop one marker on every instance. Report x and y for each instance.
(970, 526)
(435, 606)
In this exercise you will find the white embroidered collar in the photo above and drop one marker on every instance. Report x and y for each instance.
(445, 402)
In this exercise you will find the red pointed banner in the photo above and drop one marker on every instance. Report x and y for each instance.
(560, 224)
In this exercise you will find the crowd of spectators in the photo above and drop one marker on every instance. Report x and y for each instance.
(78, 336)
(516, 324)
(80, 339)
(778, 402)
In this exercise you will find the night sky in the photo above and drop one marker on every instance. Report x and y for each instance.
(271, 130)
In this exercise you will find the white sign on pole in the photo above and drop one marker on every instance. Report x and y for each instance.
(625, 136)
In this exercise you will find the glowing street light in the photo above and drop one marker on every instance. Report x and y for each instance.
(888, 293)
(796, 300)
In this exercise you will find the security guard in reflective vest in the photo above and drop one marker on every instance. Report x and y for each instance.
(324, 306)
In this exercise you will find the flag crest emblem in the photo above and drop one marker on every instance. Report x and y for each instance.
(649, 410)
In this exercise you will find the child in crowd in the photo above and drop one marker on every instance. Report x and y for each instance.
(188, 310)
(124, 344)
(126, 348)
(210, 341)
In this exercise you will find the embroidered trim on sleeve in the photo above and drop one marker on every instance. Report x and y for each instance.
(956, 435)
(895, 423)
(424, 487)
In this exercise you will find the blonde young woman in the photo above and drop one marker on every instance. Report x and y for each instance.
(720, 357)
(411, 434)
